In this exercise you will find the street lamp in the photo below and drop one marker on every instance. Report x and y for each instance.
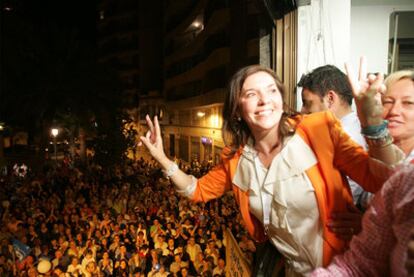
(2, 160)
(55, 132)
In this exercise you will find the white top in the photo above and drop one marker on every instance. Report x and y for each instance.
(283, 199)
(409, 157)
(352, 126)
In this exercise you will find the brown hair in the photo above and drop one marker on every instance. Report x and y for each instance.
(235, 132)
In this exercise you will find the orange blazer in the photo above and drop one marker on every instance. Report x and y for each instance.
(335, 152)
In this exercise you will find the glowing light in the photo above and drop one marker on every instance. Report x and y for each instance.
(55, 132)
(201, 114)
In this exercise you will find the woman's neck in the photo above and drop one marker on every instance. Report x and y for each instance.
(266, 143)
(406, 145)
(267, 148)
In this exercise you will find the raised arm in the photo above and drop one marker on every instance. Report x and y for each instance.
(367, 90)
(153, 141)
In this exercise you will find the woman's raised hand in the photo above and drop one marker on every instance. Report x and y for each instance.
(367, 91)
(152, 139)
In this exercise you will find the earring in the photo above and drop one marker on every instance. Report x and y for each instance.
(239, 118)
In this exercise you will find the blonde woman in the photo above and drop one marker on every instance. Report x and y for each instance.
(398, 103)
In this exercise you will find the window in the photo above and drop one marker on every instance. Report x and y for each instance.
(401, 41)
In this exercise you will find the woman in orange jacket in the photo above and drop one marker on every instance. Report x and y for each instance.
(286, 172)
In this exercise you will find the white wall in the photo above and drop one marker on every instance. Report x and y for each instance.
(339, 31)
(323, 36)
(370, 33)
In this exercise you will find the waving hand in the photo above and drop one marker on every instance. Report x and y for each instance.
(367, 90)
(153, 140)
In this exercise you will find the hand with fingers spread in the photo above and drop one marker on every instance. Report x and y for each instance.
(153, 140)
(346, 224)
(367, 90)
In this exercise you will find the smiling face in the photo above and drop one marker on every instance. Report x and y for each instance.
(398, 103)
(261, 104)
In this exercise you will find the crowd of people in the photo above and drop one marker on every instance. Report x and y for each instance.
(281, 188)
(125, 221)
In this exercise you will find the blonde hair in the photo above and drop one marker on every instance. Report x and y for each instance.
(399, 75)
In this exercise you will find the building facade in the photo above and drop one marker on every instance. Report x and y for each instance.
(205, 43)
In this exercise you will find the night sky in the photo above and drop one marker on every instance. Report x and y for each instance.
(46, 49)
(66, 15)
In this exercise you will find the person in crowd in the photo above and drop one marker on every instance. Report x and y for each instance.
(169, 253)
(212, 251)
(398, 103)
(193, 249)
(121, 268)
(207, 267)
(153, 261)
(60, 260)
(201, 238)
(143, 254)
(75, 268)
(138, 272)
(92, 270)
(160, 272)
(115, 245)
(89, 257)
(161, 244)
(279, 166)
(220, 269)
(247, 246)
(122, 254)
(142, 232)
(59, 272)
(178, 263)
(184, 272)
(106, 265)
(328, 88)
(156, 229)
(135, 262)
(218, 242)
(199, 262)
(381, 247)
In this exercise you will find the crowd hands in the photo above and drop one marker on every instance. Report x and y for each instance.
(126, 221)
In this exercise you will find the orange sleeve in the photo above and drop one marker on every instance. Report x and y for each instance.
(214, 184)
(351, 159)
